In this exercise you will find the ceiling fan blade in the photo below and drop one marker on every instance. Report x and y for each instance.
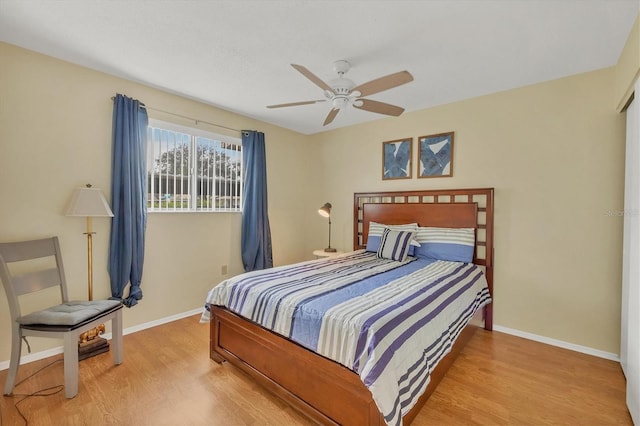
(384, 83)
(332, 114)
(296, 103)
(379, 107)
(311, 76)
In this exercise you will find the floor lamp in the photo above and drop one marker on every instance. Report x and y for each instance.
(89, 202)
(325, 211)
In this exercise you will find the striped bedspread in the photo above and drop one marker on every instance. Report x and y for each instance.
(390, 322)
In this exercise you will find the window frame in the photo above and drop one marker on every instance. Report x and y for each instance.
(193, 134)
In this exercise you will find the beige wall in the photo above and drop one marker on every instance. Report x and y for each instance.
(554, 152)
(55, 134)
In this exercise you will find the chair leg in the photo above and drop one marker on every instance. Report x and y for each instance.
(71, 364)
(116, 337)
(14, 363)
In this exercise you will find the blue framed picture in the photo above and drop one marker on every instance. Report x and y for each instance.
(396, 159)
(435, 155)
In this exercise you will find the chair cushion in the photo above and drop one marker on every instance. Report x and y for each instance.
(70, 313)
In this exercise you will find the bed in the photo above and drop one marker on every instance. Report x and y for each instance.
(325, 389)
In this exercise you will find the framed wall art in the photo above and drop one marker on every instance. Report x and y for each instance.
(396, 159)
(435, 155)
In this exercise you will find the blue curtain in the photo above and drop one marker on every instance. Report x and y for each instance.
(128, 193)
(256, 234)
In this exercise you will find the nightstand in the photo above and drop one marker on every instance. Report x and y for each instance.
(321, 253)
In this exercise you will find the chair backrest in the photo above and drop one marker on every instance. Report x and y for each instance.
(33, 276)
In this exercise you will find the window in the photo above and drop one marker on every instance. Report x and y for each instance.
(190, 170)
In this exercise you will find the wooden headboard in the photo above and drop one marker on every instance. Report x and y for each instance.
(445, 208)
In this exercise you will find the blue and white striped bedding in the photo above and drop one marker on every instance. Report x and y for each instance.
(390, 322)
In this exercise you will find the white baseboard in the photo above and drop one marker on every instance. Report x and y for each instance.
(157, 322)
(58, 350)
(554, 342)
(25, 359)
(571, 346)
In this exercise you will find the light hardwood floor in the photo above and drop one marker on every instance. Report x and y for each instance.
(168, 379)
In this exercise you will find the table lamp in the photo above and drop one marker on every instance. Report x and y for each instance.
(325, 211)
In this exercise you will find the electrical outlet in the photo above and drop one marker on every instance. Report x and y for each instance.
(223, 270)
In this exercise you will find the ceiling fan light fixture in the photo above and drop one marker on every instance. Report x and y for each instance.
(340, 102)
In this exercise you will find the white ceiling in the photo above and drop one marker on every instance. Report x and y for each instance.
(235, 54)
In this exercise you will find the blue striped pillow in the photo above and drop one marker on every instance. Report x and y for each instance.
(452, 244)
(375, 232)
(395, 245)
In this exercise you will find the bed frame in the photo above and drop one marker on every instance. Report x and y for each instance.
(324, 390)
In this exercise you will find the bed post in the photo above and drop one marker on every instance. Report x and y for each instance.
(488, 309)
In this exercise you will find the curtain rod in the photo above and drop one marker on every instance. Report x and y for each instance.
(187, 118)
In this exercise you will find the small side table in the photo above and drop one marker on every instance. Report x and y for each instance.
(321, 253)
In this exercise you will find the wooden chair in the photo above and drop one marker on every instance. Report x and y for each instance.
(31, 266)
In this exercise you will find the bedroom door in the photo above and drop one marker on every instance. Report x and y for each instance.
(630, 327)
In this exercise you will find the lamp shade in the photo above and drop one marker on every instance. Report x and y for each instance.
(325, 211)
(88, 202)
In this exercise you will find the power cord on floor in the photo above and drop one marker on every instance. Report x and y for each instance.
(52, 390)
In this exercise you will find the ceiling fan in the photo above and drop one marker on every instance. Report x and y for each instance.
(342, 92)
